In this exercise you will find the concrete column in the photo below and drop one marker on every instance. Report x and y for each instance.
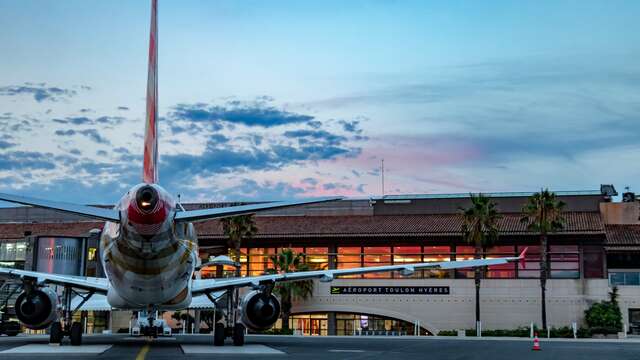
(331, 323)
(332, 258)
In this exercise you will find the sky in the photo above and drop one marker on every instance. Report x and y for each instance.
(267, 100)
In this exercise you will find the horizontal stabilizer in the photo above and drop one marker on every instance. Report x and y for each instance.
(89, 211)
(206, 214)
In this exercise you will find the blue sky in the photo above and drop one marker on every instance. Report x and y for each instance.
(278, 99)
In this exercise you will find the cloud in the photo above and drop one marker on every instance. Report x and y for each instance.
(83, 120)
(26, 160)
(310, 181)
(89, 133)
(350, 126)
(253, 114)
(262, 191)
(40, 92)
(326, 137)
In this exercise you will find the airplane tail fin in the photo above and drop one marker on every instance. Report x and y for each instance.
(150, 166)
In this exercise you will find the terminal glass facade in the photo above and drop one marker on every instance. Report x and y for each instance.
(564, 261)
(349, 324)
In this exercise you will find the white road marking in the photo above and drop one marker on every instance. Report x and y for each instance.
(230, 349)
(347, 350)
(34, 349)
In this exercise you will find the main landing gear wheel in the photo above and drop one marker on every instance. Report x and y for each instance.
(238, 334)
(55, 333)
(218, 337)
(76, 334)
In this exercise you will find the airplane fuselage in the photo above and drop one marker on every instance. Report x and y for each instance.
(148, 258)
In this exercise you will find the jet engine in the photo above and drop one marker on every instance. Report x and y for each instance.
(259, 310)
(37, 309)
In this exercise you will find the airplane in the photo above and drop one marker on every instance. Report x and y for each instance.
(149, 253)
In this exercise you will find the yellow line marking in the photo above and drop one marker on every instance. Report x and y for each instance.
(143, 352)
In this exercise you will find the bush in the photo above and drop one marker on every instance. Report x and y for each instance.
(562, 332)
(605, 317)
(448, 333)
(276, 332)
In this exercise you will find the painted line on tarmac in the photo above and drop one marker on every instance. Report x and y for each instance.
(143, 352)
(346, 351)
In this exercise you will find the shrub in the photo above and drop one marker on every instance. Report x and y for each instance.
(276, 332)
(562, 332)
(605, 316)
(448, 333)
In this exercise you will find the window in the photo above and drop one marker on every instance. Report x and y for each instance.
(91, 254)
(530, 268)
(503, 271)
(377, 256)
(407, 255)
(259, 260)
(317, 258)
(244, 265)
(436, 254)
(465, 253)
(624, 278)
(564, 261)
(349, 258)
(593, 262)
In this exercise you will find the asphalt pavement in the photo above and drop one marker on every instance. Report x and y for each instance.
(306, 348)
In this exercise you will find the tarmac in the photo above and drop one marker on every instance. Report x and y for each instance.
(310, 347)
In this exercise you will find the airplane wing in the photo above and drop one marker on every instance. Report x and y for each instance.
(207, 285)
(98, 285)
(89, 211)
(205, 214)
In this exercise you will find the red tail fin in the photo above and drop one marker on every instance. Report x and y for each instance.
(150, 169)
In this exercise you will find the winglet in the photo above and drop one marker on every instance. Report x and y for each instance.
(522, 256)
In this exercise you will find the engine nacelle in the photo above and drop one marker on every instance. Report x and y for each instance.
(259, 312)
(37, 309)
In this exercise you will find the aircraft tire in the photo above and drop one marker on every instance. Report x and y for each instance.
(55, 333)
(218, 338)
(76, 334)
(238, 334)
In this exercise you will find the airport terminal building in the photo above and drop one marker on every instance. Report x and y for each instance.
(598, 247)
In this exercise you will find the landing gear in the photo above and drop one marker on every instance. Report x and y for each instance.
(76, 334)
(67, 327)
(219, 335)
(229, 326)
(238, 334)
(55, 333)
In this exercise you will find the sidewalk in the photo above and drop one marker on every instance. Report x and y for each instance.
(461, 338)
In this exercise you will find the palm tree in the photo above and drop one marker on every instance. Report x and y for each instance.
(543, 215)
(290, 261)
(236, 229)
(480, 228)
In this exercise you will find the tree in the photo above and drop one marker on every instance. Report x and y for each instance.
(237, 229)
(284, 262)
(543, 215)
(480, 228)
(605, 316)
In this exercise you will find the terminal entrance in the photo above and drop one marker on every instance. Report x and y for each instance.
(351, 324)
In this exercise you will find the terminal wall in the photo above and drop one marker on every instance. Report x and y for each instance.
(505, 304)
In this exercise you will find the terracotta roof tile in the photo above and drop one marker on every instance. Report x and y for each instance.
(389, 225)
(623, 235)
(305, 226)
